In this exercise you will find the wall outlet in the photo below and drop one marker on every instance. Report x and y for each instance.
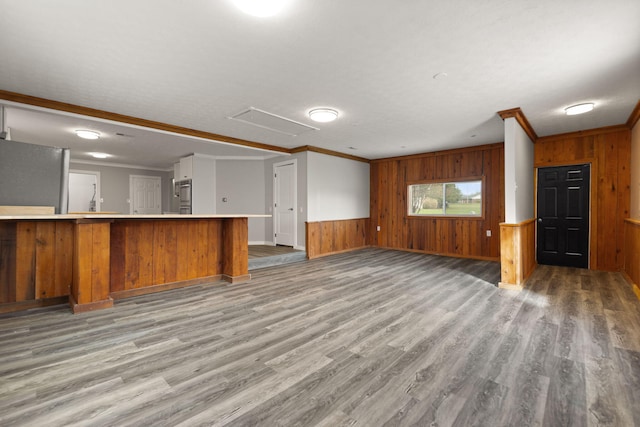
(488, 233)
(378, 228)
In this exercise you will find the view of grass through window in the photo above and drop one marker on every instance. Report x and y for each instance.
(463, 198)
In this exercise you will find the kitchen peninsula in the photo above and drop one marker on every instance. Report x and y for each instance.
(90, 260)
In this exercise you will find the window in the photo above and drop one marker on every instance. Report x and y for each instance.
(460, 198)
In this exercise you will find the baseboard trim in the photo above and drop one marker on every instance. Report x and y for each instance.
(94, 305)
(10, 307)
(236, 279)
(634, 286)
(338, 252)
(510, 287)
(163, 287)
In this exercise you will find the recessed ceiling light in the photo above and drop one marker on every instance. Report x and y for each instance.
(88, 134)
(579, 109)
(261, 8)
(100, 155)
(323, 115)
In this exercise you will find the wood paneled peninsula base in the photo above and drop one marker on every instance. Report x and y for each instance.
(94, 259)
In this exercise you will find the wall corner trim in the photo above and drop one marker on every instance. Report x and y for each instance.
(520, 118)
(634, 116)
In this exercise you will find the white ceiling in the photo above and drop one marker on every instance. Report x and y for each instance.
(195, 63)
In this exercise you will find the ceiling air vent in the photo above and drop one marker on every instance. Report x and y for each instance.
(273, 122)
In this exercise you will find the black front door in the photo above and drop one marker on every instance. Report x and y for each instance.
(563, 216)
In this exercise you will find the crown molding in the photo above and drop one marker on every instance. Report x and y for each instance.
(118, 165)
(520, 118)
(328, 152)
(483, 147)
(136, 121)
(586, 132)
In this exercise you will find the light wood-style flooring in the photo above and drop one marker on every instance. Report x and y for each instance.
(368, 338)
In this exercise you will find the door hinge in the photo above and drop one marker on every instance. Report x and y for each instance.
(275, 235)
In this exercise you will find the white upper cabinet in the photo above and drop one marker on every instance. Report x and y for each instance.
(176, 171)
(186, 168)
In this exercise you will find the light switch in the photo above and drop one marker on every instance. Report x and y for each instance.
(488, 233)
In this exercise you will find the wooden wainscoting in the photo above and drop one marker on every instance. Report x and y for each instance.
(632, 253)
(36, 263)
(91, 272)
(609, 152)
(151, 253)
(460, 237)
(332, 237)
(517, 253)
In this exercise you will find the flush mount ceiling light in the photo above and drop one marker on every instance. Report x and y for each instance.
(100, 155)
(579, 109)
(88, 134)
(261, 8)
(323, 115)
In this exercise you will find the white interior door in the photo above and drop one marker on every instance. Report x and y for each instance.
(284, 197)
(145, 194)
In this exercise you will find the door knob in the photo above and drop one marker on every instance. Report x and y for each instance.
(290, 209)
(539, 219)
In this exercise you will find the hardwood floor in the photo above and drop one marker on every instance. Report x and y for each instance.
(368, 338)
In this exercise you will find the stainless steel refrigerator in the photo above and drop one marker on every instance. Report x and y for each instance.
(34, 175)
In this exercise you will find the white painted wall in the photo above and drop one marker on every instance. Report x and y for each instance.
(337, 188)
(635, 171)
(518, 173)
(241, 183)
(203, 185)
(114, 185)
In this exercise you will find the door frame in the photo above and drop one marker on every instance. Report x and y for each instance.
(592, 196)
(293, 162)
(131, 190)
(98, 185)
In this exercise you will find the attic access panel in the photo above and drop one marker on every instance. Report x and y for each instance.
(272, 122)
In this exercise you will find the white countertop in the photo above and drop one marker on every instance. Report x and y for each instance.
(98, 215)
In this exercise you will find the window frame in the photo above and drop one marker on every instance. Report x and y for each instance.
(481, 216)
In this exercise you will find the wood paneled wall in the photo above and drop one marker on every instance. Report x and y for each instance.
(632, 253)
(149, 253)
(465, 237)
(91, 272)
(331, 237)
(36, 259)
(518, 254)
(609, 152)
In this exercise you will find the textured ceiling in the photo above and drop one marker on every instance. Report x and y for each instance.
(195, 63)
